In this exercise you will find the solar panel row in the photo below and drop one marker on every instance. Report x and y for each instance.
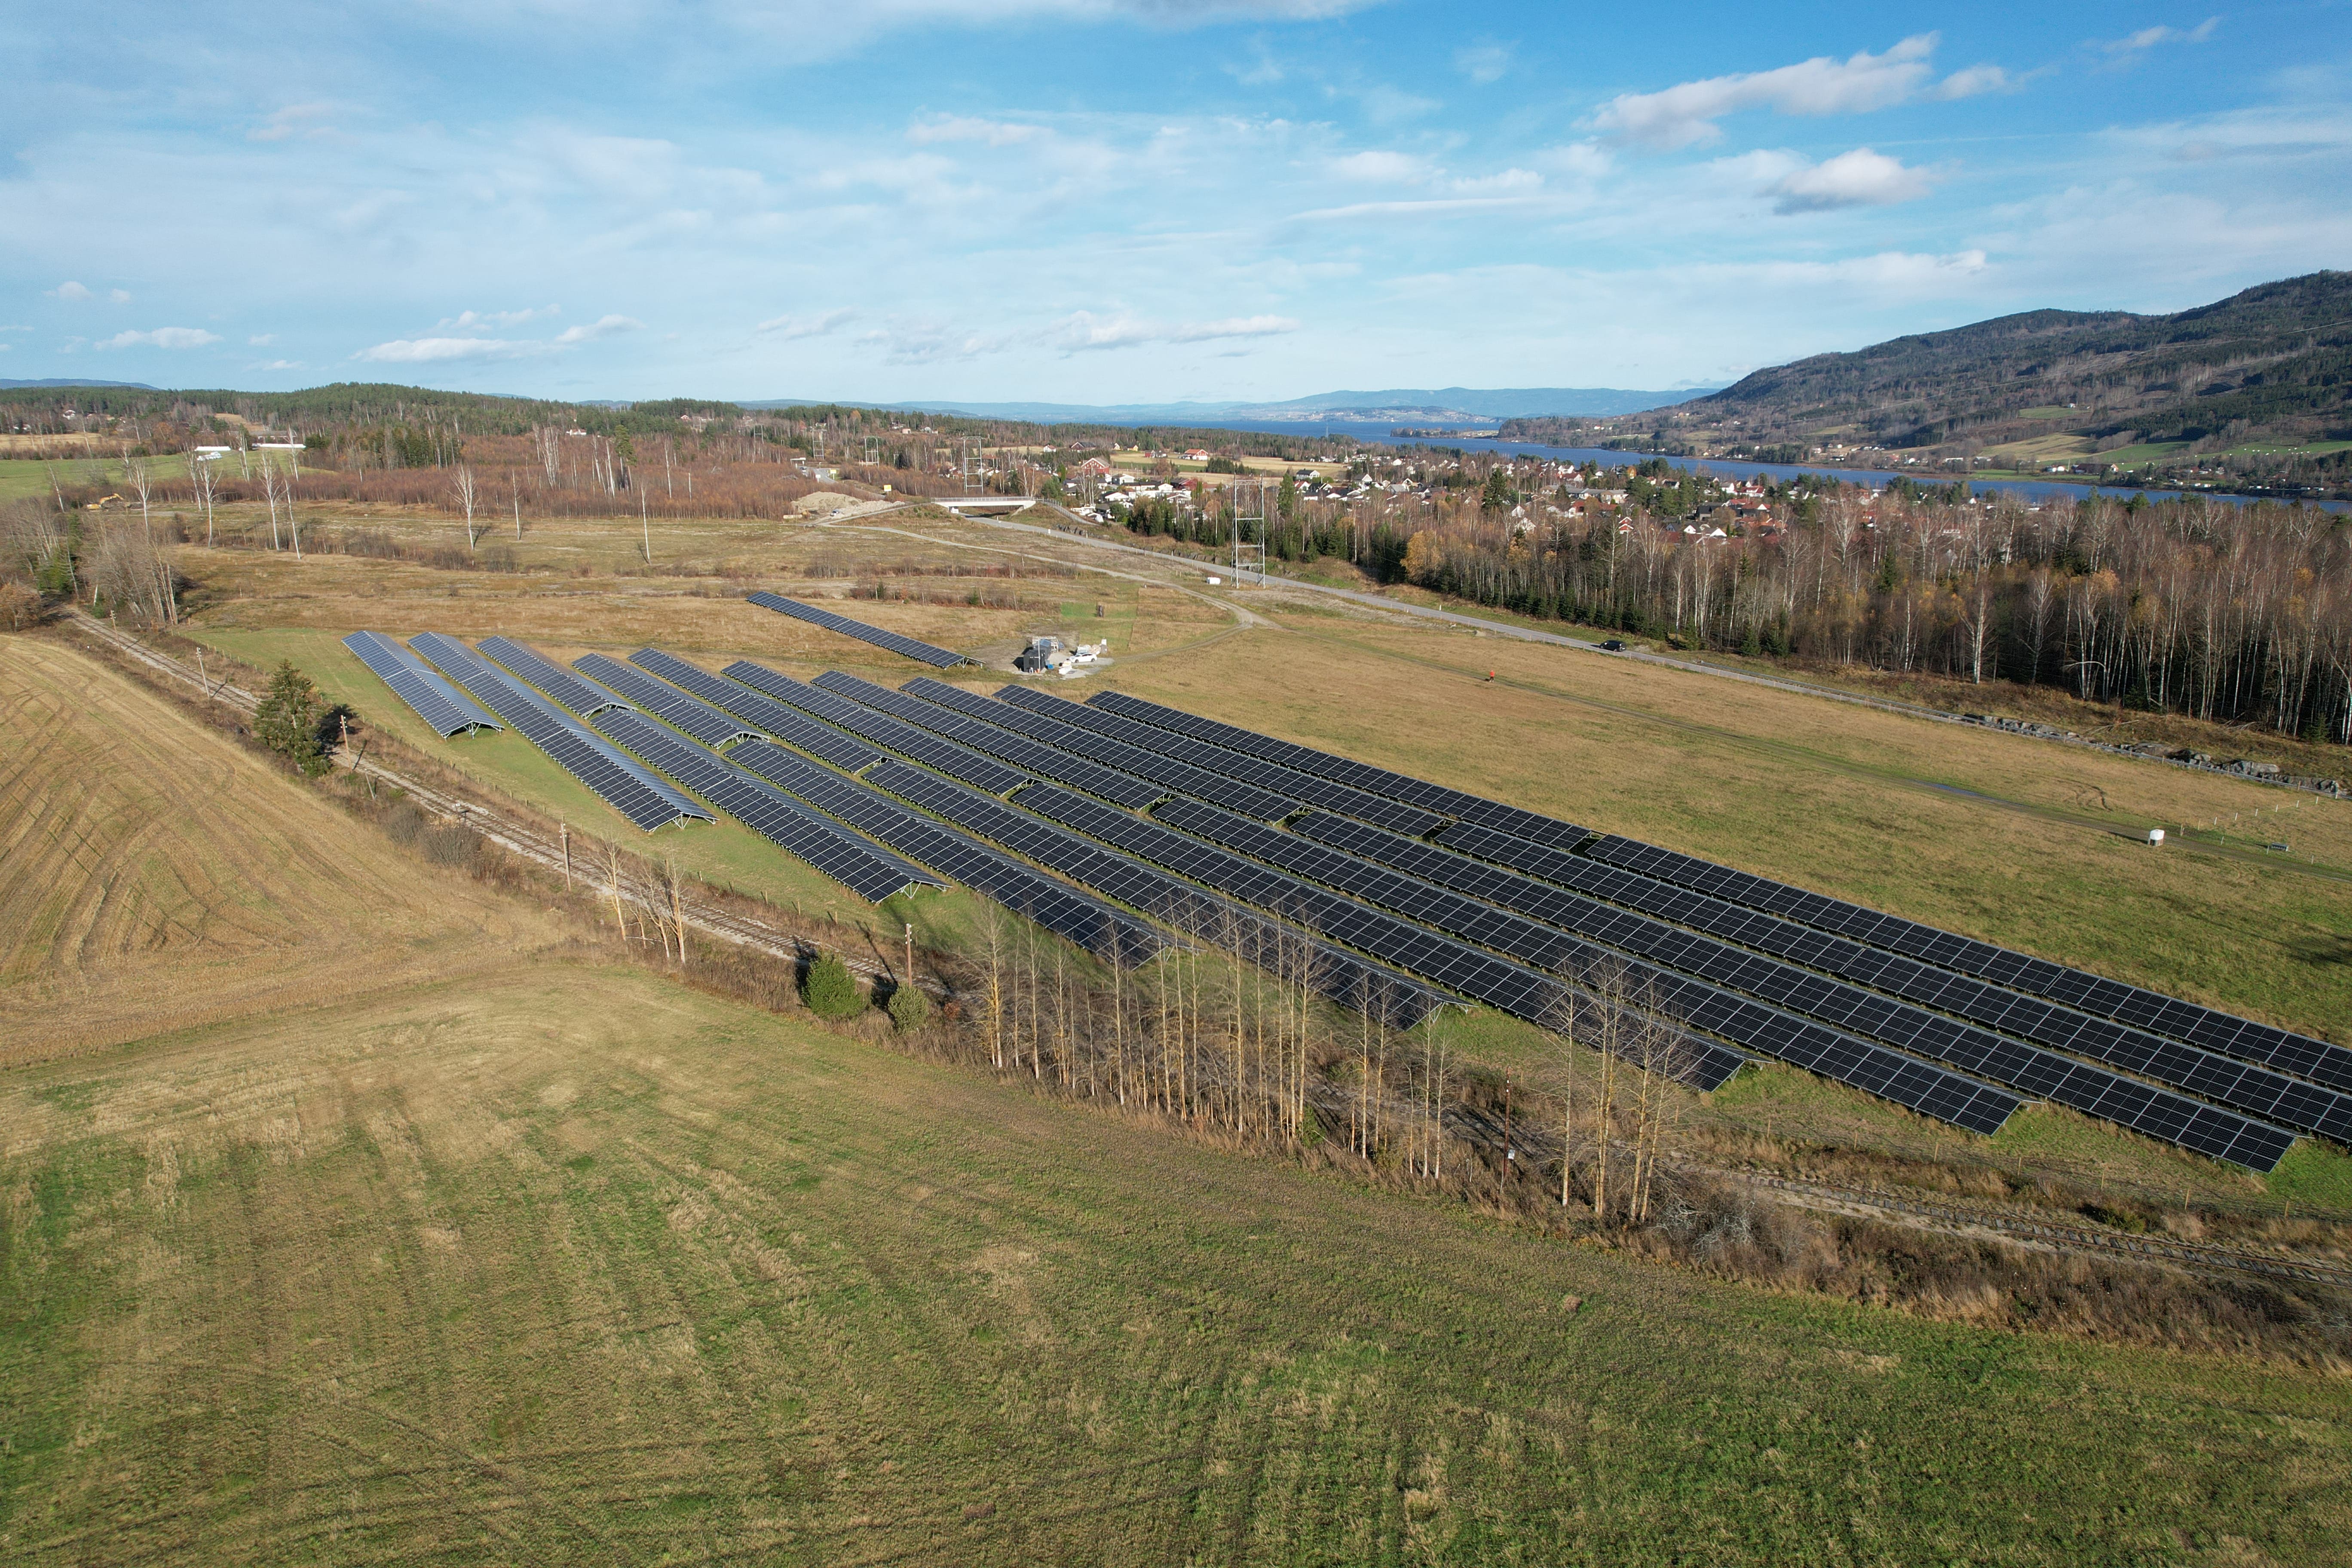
(1454, 803)
(2252, 1089)
(1444, 882)
(1344, 977)
(430, 697)
(622, 781)
(1180, 776)
(1088, 922)
(764, 713)
(666, 702)
(549, 677)
(1032, 756)
(871, 873)
(1738, 1019)
(957, 761)
(923, 652)
(2203, 1027)
(1328, 793)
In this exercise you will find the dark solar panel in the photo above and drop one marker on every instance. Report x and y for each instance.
(1180, 776)
(1461, 894)
(1328, 793)
(1359, 776)
(549, 677)
(955, 760)
(431, 697)
(620, 781)
(1031, 756)
(763, 713)
(2252, 1089)
(666, 702)
(871, 873)
(1345, 977)
(2206, 1027)
(922, 652)
(1695, 1002)
(1088, 922)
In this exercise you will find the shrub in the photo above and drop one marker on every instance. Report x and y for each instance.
(830, 990)
(910, 1010)
(19, 606)
(454, 845)
(404, 823)
(288, 720)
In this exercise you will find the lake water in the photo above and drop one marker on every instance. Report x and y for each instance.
(1378, 433)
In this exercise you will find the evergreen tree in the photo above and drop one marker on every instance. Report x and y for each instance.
(830, 990)
(286, 721)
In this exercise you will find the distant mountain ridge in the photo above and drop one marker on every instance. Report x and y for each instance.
(1449, 402)
(77, 381)
(2273, 363)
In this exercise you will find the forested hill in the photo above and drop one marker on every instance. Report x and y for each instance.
(2271, 364)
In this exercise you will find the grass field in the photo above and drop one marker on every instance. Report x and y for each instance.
(561, 1264)
(21, 476)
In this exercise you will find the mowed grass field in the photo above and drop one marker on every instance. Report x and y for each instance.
(563, 1264)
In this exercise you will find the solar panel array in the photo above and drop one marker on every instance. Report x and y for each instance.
(873, 874)
(1088, 922)
(1697, 1000)
(430, 697)
(666, 702)
(764, 713)
(549, 677)
(2253, 1089)
(1180, 777)
(1032, 756)
(1343, 977)
(621, 782)
(922, 652)
(1414, 949)
(1438, 798)
(897, 734)
(2175, 1118)
(1328, 793)
(2157, 1014)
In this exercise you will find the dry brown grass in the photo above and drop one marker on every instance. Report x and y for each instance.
(155, 875)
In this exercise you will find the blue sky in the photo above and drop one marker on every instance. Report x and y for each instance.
(1128, 200)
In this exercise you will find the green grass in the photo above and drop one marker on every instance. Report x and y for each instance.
(579, 1267)
(22, 476)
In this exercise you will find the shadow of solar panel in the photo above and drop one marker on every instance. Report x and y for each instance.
(1359, 776)
(871, 873)
(1514, 912)
(2208, 1028)
(674, 708)
(922, 652)
(1179, 776)
(428, 695)
(1088, 922)
(897, 735)
(1031, 756)
(549, 677)
(1328, 793)
(2254, 1090)
(763, 713)
(620, 781)
(1344, 977)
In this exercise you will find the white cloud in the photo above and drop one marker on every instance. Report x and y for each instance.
(161, 338)
(12, 327)
(1483, 62)
(1383, 167)
(2148, 38)
(1496, 184)
(787, 328)
(280, 365)
(928, 343)
(602, 327)
(1684, 115)
(295, 119)
(1861, 178)
(961, 127)
(1973, 82)
(1083, 331)
(432, 350)
(262, 341)
(486, 320)
(69, 291)
(119, 296)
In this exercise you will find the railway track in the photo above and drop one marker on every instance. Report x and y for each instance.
(1466, 1124)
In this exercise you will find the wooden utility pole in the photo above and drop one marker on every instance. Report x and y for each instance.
(565, 829)
(908, 978)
